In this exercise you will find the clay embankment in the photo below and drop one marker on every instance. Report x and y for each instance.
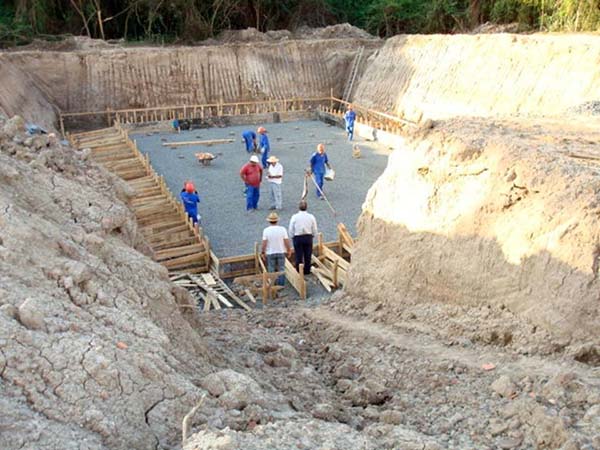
(97, 79)
(482, 213)
(490, 220)
(482, 75)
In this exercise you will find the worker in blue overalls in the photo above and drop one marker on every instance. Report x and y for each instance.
(249, 138)
(318, 162)
(349, 118)
(264, 146)
(190, 199)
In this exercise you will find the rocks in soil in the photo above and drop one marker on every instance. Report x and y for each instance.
(504, 387)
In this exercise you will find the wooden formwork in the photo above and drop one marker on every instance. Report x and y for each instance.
(176, 243)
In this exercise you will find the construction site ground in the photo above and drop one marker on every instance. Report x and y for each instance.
(230, 229)
(378, 386)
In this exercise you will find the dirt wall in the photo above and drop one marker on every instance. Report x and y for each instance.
(20, 94)
(482, 75)
(97, 79)
(494, 214)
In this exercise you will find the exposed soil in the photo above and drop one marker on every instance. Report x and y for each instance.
(382, 387)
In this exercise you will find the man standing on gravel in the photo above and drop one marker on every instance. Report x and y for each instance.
(275, 245)
(264, 145)
(302, 229)
(274, 177)
(318, 162)
(349, 118)
(251, 174)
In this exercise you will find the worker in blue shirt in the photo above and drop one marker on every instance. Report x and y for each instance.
(318, 162)
(190, 199)
(249, 138)
(264, 146)
(349, 118)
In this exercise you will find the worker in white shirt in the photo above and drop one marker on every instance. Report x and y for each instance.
(274, 178)
(275, 245)
(302, 229)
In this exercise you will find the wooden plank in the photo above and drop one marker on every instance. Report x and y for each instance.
(183, 261)
(236, 259)
(205, 142)
(326, 284)
(156, 246)
(335, 257)
(179, 251)
(175, 233)
(295, 279)
(208, 279)
(250, 296)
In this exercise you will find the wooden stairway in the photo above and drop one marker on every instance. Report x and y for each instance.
(161, 218)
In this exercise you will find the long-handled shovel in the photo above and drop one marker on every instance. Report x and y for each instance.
(322, 194)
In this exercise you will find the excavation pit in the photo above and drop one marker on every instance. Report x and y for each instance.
(233, 231)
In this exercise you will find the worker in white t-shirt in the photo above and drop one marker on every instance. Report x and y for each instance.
(274, 178)
(275, 245)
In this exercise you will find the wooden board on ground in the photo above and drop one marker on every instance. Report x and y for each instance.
(205, 142)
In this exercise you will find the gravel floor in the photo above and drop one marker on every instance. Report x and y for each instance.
(233, 231)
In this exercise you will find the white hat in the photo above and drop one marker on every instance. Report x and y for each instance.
(254, 159)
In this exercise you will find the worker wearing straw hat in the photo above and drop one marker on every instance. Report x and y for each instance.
(275, 177)
(275, 245)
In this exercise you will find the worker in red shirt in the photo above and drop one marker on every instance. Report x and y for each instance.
(251, 174)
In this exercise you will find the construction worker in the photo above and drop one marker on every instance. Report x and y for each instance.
(275, 177)
(318, 163)
(303, 229)
(251, 174)
(349, 118)
(275, 245)
(249, 138)
(176, 125)
(263, 145)
(190, 198)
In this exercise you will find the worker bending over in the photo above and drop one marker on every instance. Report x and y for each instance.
(318, 164)
(190, 198)
(264, 145)
(249, 138)
(302, 230)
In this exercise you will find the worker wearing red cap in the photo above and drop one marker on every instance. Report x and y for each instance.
(190, 199)
(264, 146)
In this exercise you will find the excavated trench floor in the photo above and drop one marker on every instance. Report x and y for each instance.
(230, 229)
(381, 381)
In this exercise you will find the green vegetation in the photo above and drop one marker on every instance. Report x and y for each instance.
(192, 20)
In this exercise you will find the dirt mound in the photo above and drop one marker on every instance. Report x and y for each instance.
(341, 31)
(494, 215)
(93, 347)
(492, 28)
(65, 44)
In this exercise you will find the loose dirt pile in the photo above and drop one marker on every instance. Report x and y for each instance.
(494, 220)
(311, 378)
(340, 31)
